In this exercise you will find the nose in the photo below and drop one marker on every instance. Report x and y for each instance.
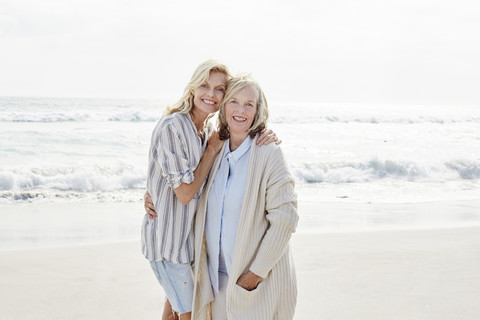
(211, 92)
(242, 108)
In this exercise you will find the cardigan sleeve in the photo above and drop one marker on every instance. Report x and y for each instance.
(281, 213)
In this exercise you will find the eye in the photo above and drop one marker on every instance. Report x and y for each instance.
(250, 105)
(203, 85)
(233, 101)
(221, 90)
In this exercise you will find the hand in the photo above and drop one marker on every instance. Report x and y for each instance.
(267, 136)
(249, 281)
(214, 142)
(149, 207)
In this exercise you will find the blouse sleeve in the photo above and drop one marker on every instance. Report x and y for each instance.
(281, 213)
(172, 156)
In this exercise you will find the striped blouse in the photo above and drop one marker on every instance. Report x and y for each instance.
(175, 152)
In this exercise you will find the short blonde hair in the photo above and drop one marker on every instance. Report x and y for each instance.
(261, 116)
(201, 74)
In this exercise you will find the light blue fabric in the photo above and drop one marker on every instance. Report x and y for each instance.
(224, 206)
(177, 282)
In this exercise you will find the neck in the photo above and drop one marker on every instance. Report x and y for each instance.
(236, 141)
(198, 118)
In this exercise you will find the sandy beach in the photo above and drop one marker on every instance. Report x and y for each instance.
(416, 274)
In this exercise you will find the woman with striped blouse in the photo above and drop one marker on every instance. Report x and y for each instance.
(182, 151)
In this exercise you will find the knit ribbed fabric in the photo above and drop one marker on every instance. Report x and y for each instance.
(268, 219)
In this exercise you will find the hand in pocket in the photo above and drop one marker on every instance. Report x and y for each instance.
(249, 281)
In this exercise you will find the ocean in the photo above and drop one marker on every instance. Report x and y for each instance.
(66, 150)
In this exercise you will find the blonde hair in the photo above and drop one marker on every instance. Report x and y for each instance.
(201, 74)
(259, 122)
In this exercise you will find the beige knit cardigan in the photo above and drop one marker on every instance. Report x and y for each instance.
(268, 219)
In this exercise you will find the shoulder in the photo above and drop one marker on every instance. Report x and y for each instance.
(271, 163)
(175, 122)
(271, 156)
(270, 150)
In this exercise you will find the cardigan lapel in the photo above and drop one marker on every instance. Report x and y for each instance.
(213, 171)
(203, 292)
(251, 176)
(202, 205)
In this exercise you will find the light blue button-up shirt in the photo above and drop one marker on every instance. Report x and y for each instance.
(224, 206)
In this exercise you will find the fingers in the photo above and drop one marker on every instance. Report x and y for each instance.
(240, 281)
(260, 140)
(267, 139)
(149, 206)
(267, 136)
(247, 282)
(264, 135)
(149, 203)
(147, 197)
(151, 213)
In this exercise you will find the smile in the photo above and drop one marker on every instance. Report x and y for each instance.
(208, 101)
(237, 118)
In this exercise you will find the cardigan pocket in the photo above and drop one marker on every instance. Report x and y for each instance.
(248, 298)
(253, 305)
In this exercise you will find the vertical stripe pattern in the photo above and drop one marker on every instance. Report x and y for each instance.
(175, 152)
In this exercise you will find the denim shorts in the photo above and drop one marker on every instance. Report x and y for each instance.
(177, 282)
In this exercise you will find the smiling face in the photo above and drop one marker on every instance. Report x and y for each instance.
(240, 112)
(209, 95)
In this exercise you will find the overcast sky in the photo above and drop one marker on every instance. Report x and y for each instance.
(378, 51)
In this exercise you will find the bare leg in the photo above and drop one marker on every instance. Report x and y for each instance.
(168, 313)
(186, 316)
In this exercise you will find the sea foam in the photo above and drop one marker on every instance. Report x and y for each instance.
(75, 148)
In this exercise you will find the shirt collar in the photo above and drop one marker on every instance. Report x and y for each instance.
(237, 154)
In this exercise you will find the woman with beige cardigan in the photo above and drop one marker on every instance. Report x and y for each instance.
(245, 217)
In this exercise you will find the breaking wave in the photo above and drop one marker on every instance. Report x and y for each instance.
(361, 172)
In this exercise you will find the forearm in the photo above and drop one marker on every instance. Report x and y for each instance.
(271, 249)
(281, 208)
(185, 192)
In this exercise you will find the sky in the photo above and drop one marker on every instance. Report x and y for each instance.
(309, 51)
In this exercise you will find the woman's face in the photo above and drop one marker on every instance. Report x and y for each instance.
(208, 96)
(240, 111)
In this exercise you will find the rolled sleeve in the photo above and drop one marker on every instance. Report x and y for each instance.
(172, 157)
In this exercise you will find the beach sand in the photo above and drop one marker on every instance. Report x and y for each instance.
(415, 274)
